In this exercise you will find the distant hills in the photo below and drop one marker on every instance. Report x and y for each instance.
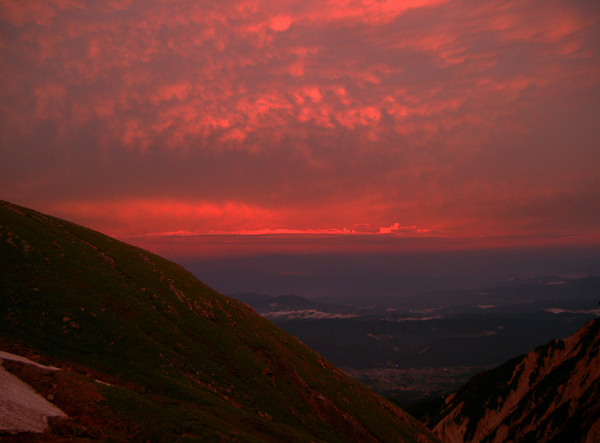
(554, 293)
(513, 320)
(147, 352)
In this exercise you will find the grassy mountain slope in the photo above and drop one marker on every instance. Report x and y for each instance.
(182, 362)
(548, 395)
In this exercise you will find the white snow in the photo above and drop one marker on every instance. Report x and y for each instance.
(21, 408)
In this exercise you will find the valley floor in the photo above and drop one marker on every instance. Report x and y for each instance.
(414, 384)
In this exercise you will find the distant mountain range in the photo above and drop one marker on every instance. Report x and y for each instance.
(407, 281)
(146, 352)
(547, 292)
(469, 335)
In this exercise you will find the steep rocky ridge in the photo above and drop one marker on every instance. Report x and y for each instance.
(549, 395)
(148, 353)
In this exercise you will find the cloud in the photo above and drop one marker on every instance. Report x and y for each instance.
(305, 314)
(196, 92)
(417, 318)
(280, 23)
(197, 219)
(396, 228)
(579, 311)
(425, 118)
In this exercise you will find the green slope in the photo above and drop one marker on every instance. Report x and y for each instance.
(185, 362)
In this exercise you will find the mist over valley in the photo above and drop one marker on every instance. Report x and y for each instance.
(381, 341)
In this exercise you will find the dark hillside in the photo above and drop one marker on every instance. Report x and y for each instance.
(184, 363)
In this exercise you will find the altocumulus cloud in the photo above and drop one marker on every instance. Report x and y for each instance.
(449, 118)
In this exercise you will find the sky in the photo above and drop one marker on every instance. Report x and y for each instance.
(235, 128)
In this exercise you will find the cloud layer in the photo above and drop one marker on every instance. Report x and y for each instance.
(419, 118)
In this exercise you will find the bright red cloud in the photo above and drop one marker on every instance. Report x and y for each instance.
(436, 119)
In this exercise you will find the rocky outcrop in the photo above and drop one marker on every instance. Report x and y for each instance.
(549, 395)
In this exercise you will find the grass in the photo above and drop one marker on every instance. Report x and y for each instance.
(188, 363)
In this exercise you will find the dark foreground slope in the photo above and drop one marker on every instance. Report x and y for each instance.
(177, 361)
(549, 395)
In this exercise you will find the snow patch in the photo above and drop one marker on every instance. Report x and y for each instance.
(21, 408)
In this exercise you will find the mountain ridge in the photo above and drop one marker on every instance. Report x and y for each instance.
(179, 361)
(547, 395)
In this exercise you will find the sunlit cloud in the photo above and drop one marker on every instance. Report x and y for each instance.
(396, 228)
(442, 119)
(280, 23)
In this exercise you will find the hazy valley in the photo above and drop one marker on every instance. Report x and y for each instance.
(408, 354)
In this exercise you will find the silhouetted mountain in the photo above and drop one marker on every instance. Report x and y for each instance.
(149, 353)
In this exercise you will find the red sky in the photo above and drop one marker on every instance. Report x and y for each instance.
(235, 127)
